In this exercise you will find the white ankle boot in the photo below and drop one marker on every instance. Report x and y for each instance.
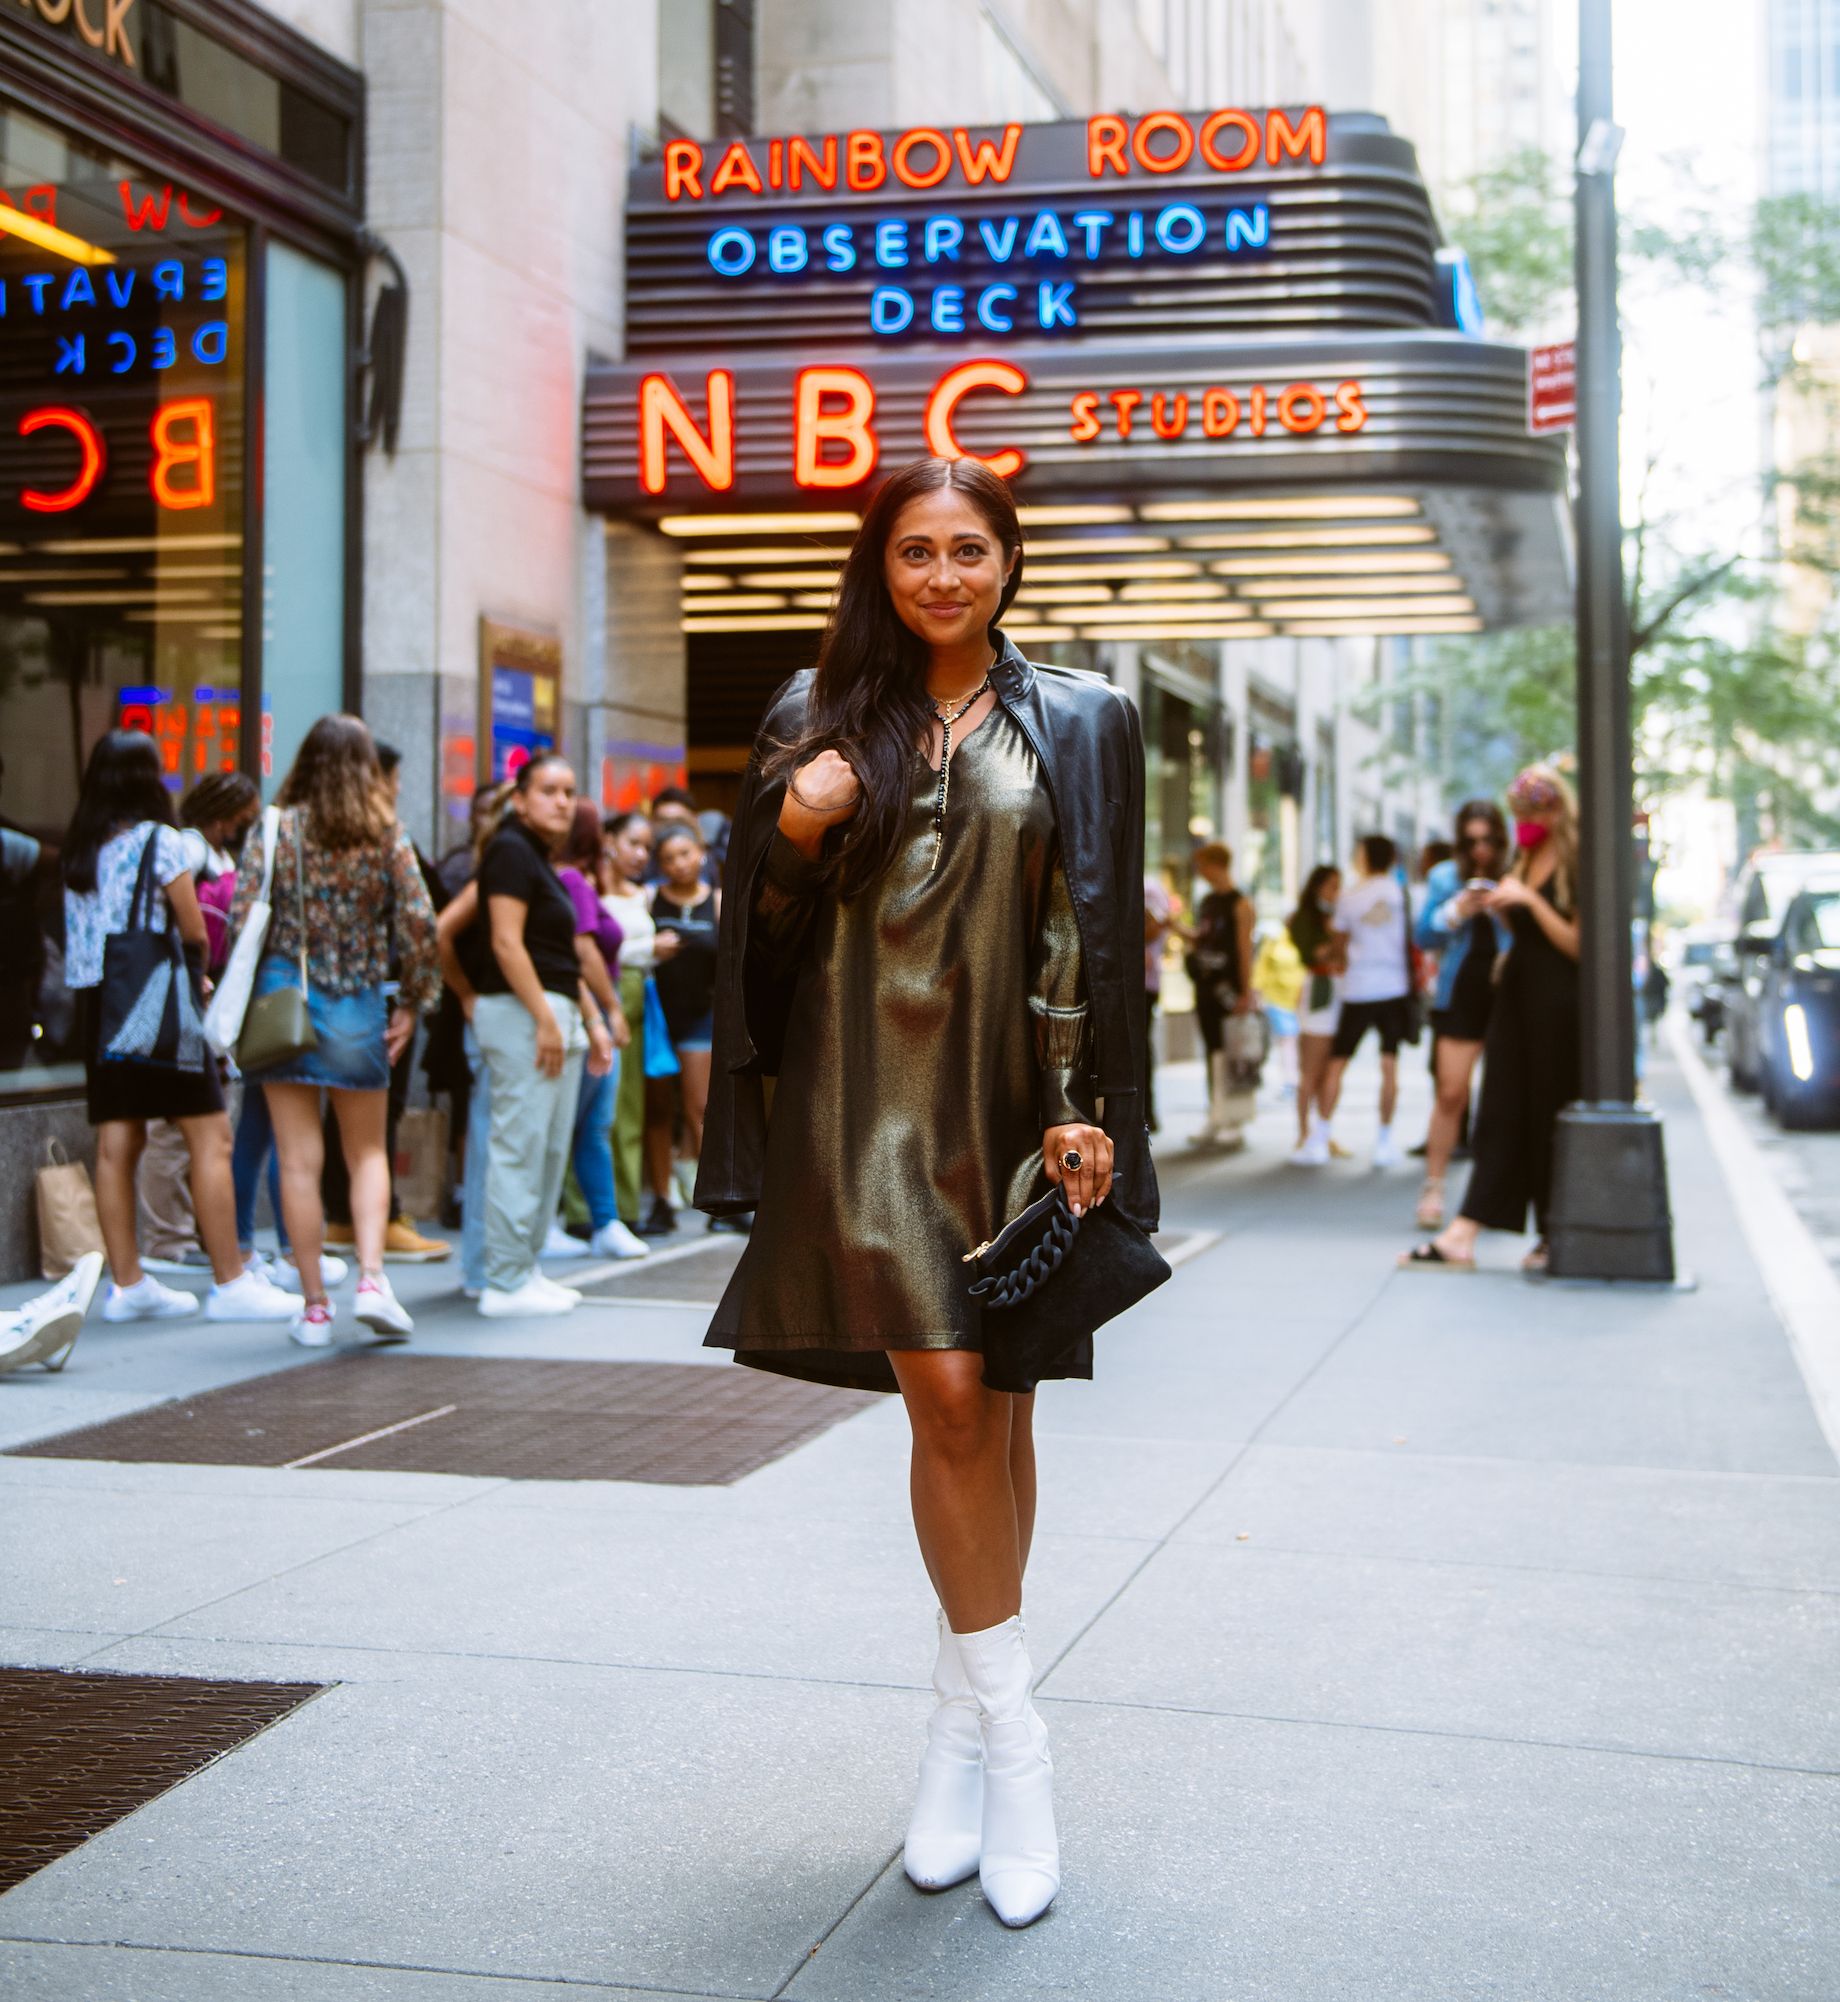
(1020, 1865)
(944, 1835)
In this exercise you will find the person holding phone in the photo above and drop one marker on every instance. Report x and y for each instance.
(1457, 926)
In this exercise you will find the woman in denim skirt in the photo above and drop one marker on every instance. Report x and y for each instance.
(345, 874)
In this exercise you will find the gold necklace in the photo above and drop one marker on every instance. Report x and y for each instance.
(946, 717)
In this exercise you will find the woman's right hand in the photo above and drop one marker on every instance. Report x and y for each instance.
(549, 1045)
(664, 946)
(823, 794)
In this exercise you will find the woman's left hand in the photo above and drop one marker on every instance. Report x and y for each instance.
(398, 1035)
(1090, 1183)
(600, 1051)
(1507, 893)
(620, 1029)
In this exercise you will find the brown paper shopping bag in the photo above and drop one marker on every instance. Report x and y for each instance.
(67, 1222)
(421, 1162)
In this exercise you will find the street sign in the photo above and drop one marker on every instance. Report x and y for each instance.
(1552, 387)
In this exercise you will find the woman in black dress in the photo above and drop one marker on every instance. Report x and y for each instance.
(931, 939)
(1531, 1063)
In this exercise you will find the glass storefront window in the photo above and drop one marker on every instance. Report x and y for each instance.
(122, 413)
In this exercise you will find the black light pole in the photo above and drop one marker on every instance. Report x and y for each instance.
(1609, 1217)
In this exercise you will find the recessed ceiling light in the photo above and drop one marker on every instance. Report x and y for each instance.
(1294, 507)
(766, 552)
(1200, 589)
(1348, 564)
(758, 622)
(1112, 573)
(1304, 629)
(1081, 516)
(1175, 630)
(1379, 608)
(1350, 587)
(786, 580)
(1349, 537)
(1161, 608)
(1094, 545)
(757, 524)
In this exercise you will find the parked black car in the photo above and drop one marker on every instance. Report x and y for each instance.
(1799, 1010)
(1765, 890)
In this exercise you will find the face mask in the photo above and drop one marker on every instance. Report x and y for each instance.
(1530, 833)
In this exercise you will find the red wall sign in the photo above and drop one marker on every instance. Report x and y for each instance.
(1552, 387)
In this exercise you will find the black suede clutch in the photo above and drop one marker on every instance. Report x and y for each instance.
(1048, 1279)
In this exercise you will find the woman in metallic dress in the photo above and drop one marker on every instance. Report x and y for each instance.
(931, 936)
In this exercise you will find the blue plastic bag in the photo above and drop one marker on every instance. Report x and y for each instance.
(660, 1057)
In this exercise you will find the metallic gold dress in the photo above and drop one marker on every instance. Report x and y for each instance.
(938, 1027)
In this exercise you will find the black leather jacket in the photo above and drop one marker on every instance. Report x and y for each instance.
(1087, 737)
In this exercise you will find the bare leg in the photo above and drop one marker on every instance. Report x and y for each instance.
(363, 1123)
(118, 1152)
(1022, 1471)
(1312, 1060)
(966, 1511)
(1458, 1238)
(1456, 1065)
(300, 1144)
(1389, 1088)
(1332, 1085)
(660, 1112)
(207, 1140)
(696, 1098)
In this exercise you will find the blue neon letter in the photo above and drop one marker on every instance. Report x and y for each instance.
(949, 309)
(118, 343)
(944, 233)
(891, 310)
(213, 278)
(1134, 234)
(169, 280)
(1001, 241)
(69, 355)
(165, 347)
(1054, 304)
(1095, 222)
(988, 315)
(731, 252)
(839, 247)
(890, 244)
(1249, 229)
(78, 291)
(212, 341)
(1179, 228)
(1046, 236)
(787, 249)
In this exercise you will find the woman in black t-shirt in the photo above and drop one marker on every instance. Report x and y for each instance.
(686, 984)
(533, 1019)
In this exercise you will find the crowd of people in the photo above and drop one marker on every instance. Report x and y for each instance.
(1478, 956)
(561, 965)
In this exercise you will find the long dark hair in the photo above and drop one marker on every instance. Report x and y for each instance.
(1481, 809)
(1307, 913)
(122, 786)
(869, 699)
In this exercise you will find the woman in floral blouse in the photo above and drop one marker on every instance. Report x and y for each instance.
(365, 903)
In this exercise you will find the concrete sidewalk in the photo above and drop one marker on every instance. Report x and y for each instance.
(1404, 1635)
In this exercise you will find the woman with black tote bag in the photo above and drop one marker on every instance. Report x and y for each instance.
(129, 900)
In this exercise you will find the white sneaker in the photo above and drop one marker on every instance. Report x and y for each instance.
(1386, 1150)
(148, 1300)
(559, 1244)
(555, 1287)
(1314, 1153)
(523, 1302)
(378, 1309)
(312, 1326)
(251, 1297)
(615, 1240)
(45, 1329)
(332, 1272)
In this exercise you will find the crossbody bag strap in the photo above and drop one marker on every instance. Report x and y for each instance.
(140, 904)
(300, 894)
(271, 826)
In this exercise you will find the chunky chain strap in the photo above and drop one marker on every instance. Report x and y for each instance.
(1037, 1267)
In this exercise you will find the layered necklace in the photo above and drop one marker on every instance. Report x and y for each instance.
(946, 716)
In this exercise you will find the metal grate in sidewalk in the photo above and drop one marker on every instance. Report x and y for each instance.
(77, 1751)
(670, 1424)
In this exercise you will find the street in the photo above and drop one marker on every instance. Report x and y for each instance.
(1401, 1635)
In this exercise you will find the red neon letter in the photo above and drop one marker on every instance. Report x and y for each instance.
(198, 451)
(986, 160)
(1124, 401)
(1308, 138)
(1162, 121)
(951, 390)
(904, 169)
(801, 160)
(736, 169)
(1349, 401)
(1085, 426)
(89, 471)
(1240, 122)
(683, 160)
(1169, 419)
(813, 427)
(1301, 408)
(661, 409)
(1219, 413)
(863, 166)
(149, 211)
(1105, 137)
